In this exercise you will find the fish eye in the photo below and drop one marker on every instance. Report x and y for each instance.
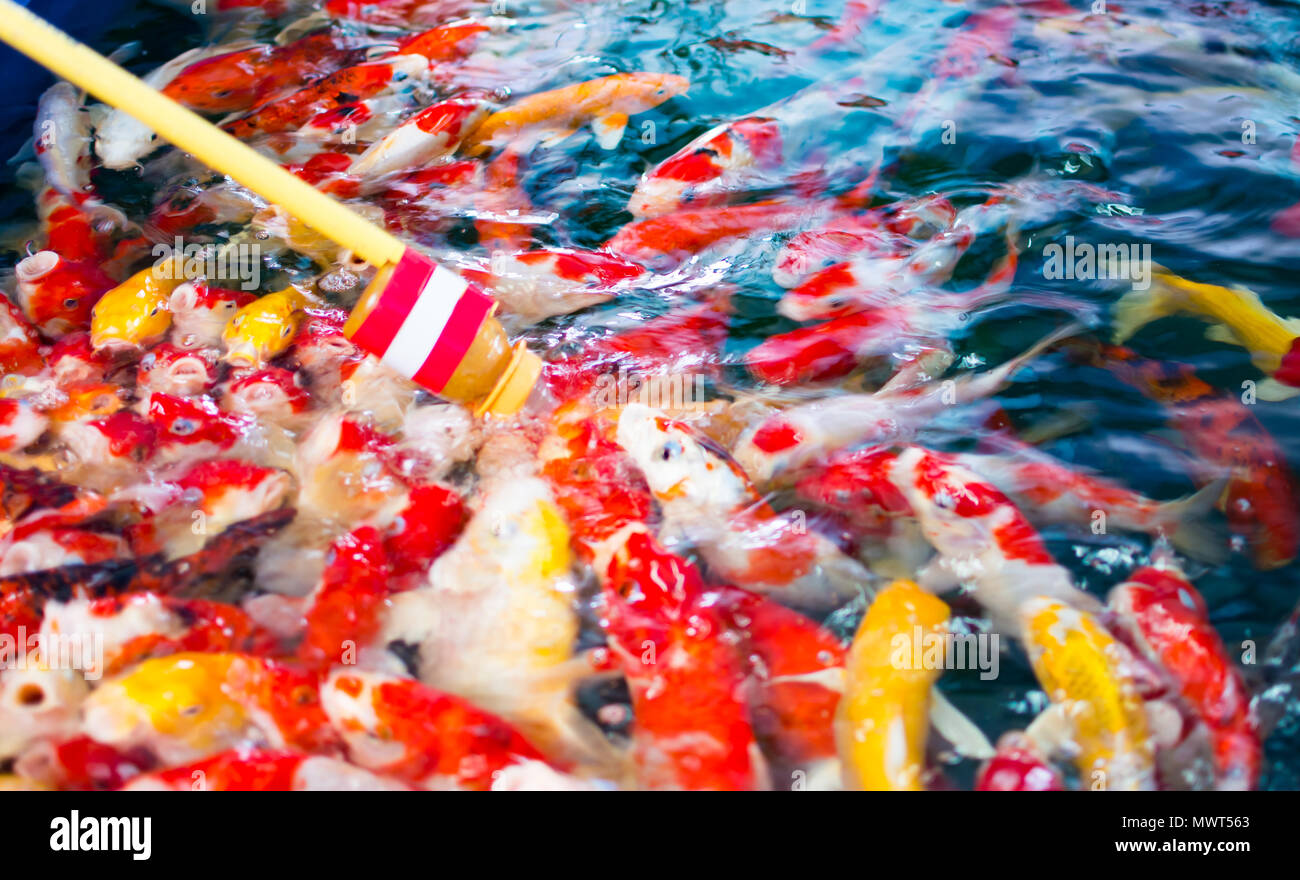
(71, 302)
(670, 449)
(285, 332)
(155, 311)
(183, 427)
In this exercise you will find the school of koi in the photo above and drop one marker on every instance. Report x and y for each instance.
(298, 570)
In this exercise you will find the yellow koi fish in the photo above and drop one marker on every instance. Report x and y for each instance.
(265, 328)
(605, 103)
(1088, 677)
(884, 715)
(135, 314)
(1240, 317)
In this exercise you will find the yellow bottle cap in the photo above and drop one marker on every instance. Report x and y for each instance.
(515, 384)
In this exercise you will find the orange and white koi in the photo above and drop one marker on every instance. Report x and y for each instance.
(237, 80)
(1225, 435)
(338, 89)
(1167, 620)
(1240, 317)
(664, 243)
(550, 117)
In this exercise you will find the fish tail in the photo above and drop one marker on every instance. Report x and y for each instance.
(1187, 527)
(1137, 308)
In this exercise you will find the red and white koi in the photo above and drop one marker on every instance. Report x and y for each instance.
(1166, 619)
(708, 169)
(431, 135)
(538, 284)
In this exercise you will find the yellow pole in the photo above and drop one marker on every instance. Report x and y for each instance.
(84, 67)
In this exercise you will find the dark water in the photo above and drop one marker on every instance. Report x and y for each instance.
(1153, 106)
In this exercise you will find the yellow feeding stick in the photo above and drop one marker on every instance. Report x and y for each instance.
(422, 319)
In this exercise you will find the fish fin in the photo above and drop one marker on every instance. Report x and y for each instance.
(609, 129)
(1221, 333)
(953, 725)
(1137, 308)
(1272, 390)
(926, 366)
(554, 136)
(1188, 529)
(1052, 732)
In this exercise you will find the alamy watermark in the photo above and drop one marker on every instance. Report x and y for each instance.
(1084, 261)
(922, 649)
(675, 391)
(80, 652)
(236, 262)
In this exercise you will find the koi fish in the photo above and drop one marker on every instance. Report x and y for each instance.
(1222, 432)
(336, 90)
(264, 328)
(121, 140)
(1017, 766)
(981, 536)
(234, 81)
(550, 117)
(262, 770)
(705, 171)
(430, 135)
(135, 314)
(169, 369)
(802, 435)
(893, 229)
(688, 684)
(201, 312)
(58, 295)
(137, 626)
(1088, 676)
(1056, 492)
(21, 425)
(56, 547)
(272, 394)
(62, 139)
(1240, 317)
(19, 341)
(193, 426)
(73, 361)
(534, 285)
(495, 622)
(344, 469)
(421, 736)
(707, 502)
(192, 705)
(1167, 620)
(663, 243)
(883, 718)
